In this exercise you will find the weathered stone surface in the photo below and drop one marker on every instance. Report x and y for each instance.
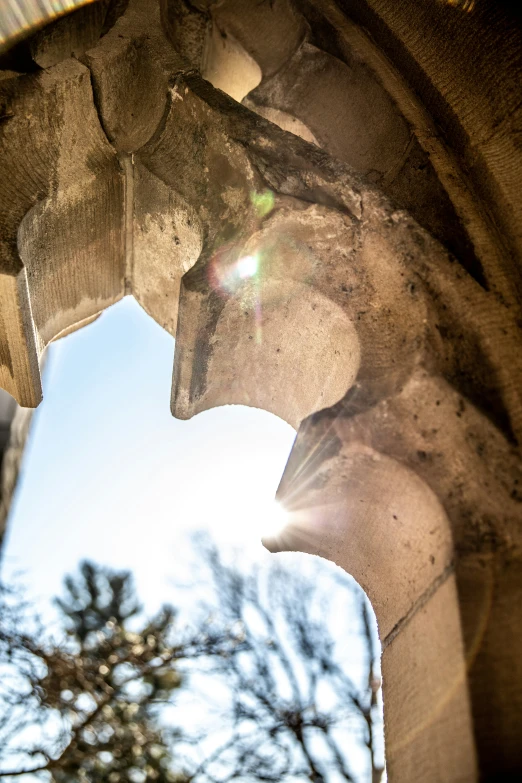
(387, 265)
(130, 70)
(61, 217)
(71, 35)
(472, 90)
(270, 32)
(14, 428)
(490, 596)
(430, 430)
(166, 243)
(352, 134)
(429, 739)
(426, 180)
(399, 544)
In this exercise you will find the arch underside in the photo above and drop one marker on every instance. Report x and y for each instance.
(357, 276)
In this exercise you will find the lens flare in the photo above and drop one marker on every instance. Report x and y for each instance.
(228, 269)
(247, 266)
(269, 519)
(263, 202)
(20, 17)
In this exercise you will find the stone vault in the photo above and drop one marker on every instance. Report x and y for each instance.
(322, 201)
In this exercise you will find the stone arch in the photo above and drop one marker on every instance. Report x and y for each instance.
(90, 261)
(166, 237)
(446, 320)
(227, 65)
(334, 89)
(381, 523)
(297, 350)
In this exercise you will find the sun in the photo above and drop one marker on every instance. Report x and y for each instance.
(268, 519)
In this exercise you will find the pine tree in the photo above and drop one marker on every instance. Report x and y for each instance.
(106, 685)
(287, 697)
(121, 676)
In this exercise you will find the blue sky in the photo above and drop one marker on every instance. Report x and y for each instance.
(109, 474)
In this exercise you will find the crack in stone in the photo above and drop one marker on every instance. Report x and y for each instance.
(420, 603)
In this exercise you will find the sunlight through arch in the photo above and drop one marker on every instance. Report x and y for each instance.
(110, 476)
(104, 446)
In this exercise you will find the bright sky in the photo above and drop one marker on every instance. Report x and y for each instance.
(110, 475)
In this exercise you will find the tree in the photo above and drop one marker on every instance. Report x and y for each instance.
(293, 702)
(98, 699)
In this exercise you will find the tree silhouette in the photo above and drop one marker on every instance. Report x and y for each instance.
(96, 698)
(293, 700)
(92, 708)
